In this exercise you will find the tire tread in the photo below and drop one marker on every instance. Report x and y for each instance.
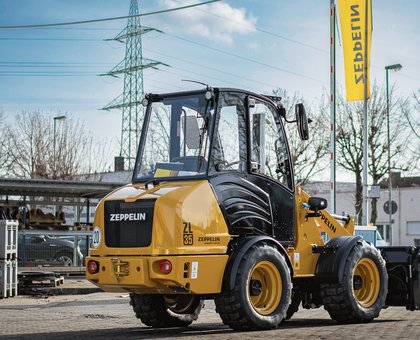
(151, 310)
(335, 296)
(229, 305)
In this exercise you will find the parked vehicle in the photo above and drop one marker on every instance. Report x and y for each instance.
(45, 248)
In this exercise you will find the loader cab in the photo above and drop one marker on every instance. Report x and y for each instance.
(234, 139)
(250, 168)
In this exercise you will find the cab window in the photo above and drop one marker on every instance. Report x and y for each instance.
(229, 141)
(269, 154)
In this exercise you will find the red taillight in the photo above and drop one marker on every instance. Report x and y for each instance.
(92, 267)
(165, 267)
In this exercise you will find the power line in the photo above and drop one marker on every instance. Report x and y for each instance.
(26, 66)
(51, 63)
(264, 31)
(242, 57)
(168, 86)
(401, 74)
(185, 39)
(190, 62)
(277, 35)
(201, 75)
(45, 74)
(50, 39)
(81, 28)
(109, 19)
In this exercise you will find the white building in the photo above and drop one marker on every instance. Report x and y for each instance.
(405, 229)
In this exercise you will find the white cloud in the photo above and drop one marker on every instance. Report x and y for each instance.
(217, 21)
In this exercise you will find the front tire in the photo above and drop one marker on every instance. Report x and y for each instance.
(262, 291)
(160, 311)
(361, 294)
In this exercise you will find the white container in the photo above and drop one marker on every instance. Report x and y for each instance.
(8, 278)
(8, 239)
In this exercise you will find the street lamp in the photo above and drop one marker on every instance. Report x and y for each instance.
(395, 68)
(55, 119)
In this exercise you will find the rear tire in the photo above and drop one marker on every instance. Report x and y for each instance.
(361, 294)
(261, 295)
(160, 311)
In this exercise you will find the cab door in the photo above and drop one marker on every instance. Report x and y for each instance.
(270, 164)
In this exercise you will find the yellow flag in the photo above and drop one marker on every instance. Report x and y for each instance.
(353, 22)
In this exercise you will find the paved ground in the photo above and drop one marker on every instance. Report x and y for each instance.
(109, 316)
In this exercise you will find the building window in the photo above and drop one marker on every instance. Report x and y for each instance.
(386, 232)
(413, 228)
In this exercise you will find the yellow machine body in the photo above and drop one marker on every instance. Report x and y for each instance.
(188, 229)
(312, 232)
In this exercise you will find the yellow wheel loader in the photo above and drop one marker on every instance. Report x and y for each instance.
(213, 212)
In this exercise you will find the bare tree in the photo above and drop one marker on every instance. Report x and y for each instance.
(33, 150)
(350, 140)
(414, 121)
(412, 114)
(2, 139)
(308, 157)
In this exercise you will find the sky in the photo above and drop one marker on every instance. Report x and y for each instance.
(256, 45)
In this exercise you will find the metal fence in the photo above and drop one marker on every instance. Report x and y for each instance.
(45, 248)
(8, 262)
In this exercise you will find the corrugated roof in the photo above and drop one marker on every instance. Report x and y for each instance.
(55, 188)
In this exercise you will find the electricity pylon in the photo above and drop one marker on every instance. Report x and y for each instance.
(129, 101)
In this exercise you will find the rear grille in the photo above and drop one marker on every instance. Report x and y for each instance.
(128, 225)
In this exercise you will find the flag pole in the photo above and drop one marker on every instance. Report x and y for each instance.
(332, 109)
(365, 121)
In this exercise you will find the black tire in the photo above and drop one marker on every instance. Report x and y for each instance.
(357, 298)
(238, 308)
(156, 311)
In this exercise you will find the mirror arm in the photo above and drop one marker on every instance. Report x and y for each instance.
(290, 121)
(282, 112)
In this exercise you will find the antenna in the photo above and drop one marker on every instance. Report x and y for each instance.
(197, 82)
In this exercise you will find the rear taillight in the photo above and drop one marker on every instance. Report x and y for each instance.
(92, 267)
(165, 267)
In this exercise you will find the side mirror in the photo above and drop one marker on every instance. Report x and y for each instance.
(317, 203)
(302, 121)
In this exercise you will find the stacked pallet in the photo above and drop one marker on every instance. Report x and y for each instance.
(39, 280)
(8, 258)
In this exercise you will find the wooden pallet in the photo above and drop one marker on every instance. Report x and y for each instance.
(39, 279)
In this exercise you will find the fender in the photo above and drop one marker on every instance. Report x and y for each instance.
(238, 253)
(330, 266)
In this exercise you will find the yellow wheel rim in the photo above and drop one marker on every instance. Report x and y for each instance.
(366, 282)
(264, 287)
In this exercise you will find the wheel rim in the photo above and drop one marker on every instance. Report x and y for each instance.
(366, 282)
(66, 260)
(264, 287)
